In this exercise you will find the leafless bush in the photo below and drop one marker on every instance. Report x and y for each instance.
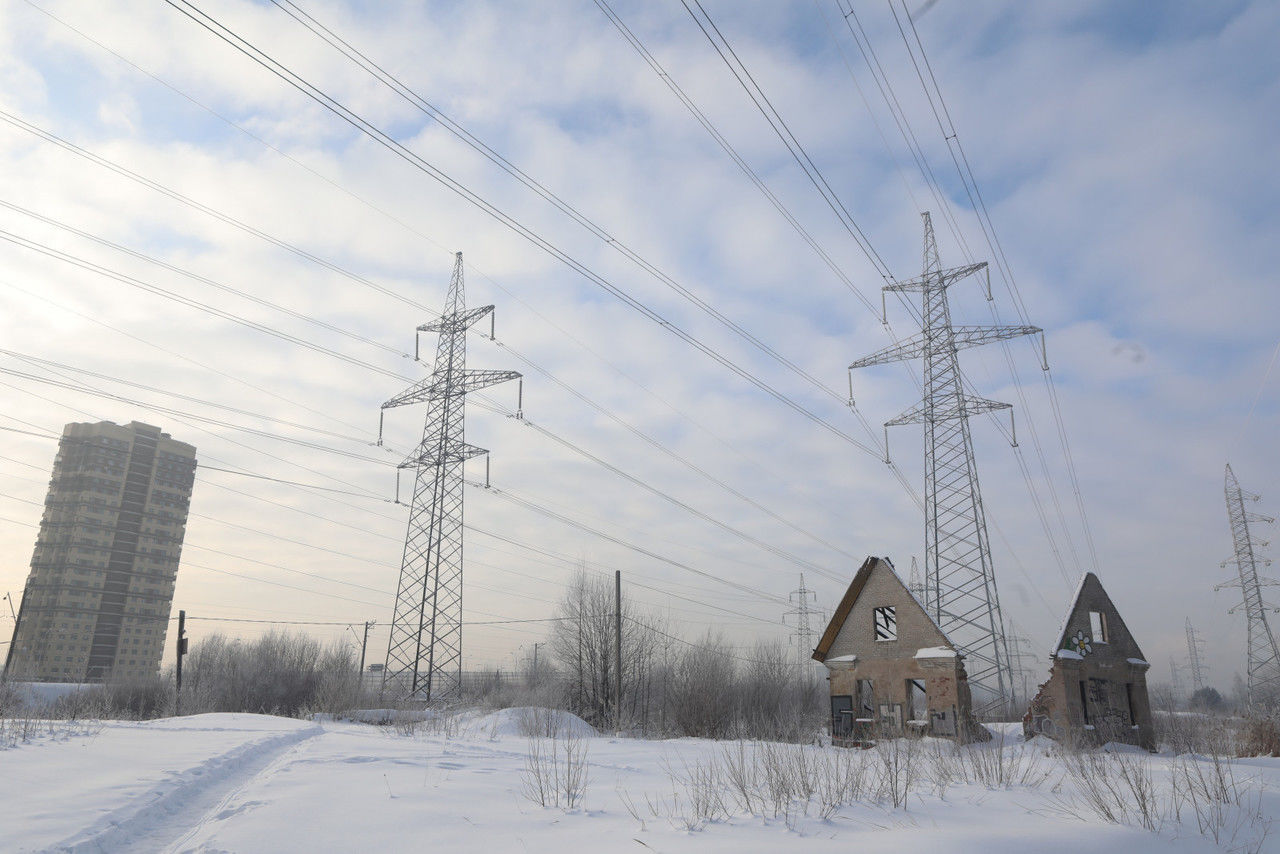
(1260, 735)
(697, 797)
(775, 780)
(555, 771)
(534, 722)
(1117, 788)
(280, 673)
(899, 767)
(989, 764)
(1225, 808)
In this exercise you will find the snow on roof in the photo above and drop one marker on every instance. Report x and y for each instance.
(841, 661)
(1139, 662)
(1067, 653)
(935, 652)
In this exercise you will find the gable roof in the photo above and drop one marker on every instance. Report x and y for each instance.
(1089, 582)
(841, 613)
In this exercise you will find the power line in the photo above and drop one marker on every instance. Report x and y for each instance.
(381, 138)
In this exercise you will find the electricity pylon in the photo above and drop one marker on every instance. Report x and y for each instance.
(1018, 665)
(803, 631)
(424, 655)
(960, 583)
(1194, 652)
(1263, 655)
(915, 583)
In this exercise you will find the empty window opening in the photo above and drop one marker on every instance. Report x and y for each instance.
(917, 700)
(1098, 626)
(886, 623)
(866, 707)
(1128, 696)
(1084, 703)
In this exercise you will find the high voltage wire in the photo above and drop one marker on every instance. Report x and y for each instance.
(120, 170)
(49, 251)
(885, 87)
(204, 280)
(411, 229)
(775, 120)
(392, 145)
(780, 127)
(566, 520)
(420, 103)
(997, 249)
(660, 447)
(270, 330)
(314, 446)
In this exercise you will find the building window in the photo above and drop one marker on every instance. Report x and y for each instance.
(1098, 626)
(866, 699)
(886, 623)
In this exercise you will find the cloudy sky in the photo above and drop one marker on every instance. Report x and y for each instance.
(155, 175)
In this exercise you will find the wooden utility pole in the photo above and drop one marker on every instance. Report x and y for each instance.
(617, 651)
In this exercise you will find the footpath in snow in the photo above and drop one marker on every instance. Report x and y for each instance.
(252, 783)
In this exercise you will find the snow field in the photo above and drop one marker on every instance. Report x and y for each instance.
(247, 783)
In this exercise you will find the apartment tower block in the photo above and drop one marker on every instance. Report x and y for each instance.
(97, 601)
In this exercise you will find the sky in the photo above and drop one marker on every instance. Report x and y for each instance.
(1124, 158)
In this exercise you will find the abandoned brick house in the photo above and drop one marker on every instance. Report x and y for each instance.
(891, 669)
(1097, 686)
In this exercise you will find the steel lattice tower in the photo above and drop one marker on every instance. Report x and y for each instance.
(960, 584)
(1193, 656)
(424, 655)
(803, 634)
(1264, 657)
(915, 584)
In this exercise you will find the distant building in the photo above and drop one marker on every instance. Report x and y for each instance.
(892, 670)
(1097, 686)
(96, 603)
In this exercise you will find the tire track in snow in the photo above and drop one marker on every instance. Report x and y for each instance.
(165, 814)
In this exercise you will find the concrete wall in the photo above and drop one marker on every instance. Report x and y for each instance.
(889, 664)
(857, 635)
(1097, 693)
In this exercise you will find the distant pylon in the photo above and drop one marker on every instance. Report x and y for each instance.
(1263, 656)
(424, 655)
(1175, 677)
(914, 582)
(802, 634)
(1194, 652)
(960, 583)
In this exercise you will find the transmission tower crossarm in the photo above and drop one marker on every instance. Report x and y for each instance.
(452, 452)
(962, 337)
(969, 405)
(901, 351)
(939, 280)
(456, 384)
(976, 336)
(456, 322)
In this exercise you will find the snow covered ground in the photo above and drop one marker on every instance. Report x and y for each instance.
(249, 783)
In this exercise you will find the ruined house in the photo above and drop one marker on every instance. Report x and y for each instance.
(891, 669)
(1097, 686)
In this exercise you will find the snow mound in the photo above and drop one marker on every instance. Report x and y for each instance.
(527, 721)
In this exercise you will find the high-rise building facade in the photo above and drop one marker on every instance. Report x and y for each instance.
(96, 604)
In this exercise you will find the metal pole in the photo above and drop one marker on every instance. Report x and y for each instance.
(617, 651)
(181, 651)
(364, 645)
